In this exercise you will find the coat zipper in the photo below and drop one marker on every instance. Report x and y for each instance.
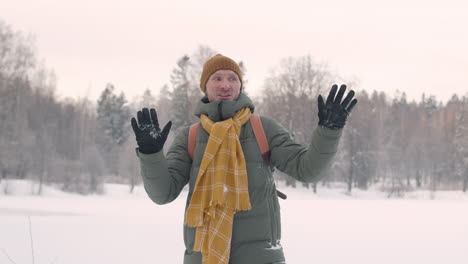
(272, 217)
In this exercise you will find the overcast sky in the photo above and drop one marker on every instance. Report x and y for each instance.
(413, 46)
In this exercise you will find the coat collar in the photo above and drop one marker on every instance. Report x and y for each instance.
(222, 110)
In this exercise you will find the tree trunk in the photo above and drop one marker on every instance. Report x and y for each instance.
(434, 179)
(132, 182)
(4, 174)
(418, 178)
(93, 183)
(465, 181)
(408, 179)
(290, 181)
(350, 180)
(41, 180)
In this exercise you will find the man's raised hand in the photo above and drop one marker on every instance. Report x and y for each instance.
(333, 113)
(149, 137)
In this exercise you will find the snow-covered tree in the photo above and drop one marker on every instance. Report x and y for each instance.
(290, 96)
(180, 113)
(17, 53)
(461, 143)
(113, 115)
(147, 100)
(113, 126)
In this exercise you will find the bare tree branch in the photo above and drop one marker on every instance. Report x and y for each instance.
(8, 257)
(31, 238)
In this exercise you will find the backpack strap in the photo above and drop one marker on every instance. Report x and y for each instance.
(192, 139)
(258, 132)
(261, 137)
(262, 142)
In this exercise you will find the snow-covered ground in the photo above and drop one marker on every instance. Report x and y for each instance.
(327, 228)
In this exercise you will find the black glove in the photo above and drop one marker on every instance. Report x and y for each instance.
(149, 137)
(333, 113)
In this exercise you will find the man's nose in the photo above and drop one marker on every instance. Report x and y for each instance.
(225, 84)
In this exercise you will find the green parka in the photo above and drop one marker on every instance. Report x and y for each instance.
(256, 233)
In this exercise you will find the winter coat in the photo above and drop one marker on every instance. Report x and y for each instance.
(256, 233)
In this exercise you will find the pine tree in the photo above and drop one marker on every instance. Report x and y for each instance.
(113, 115)
(461, 143)
(180, 101)
(244, 72)
(197, 61)
(147, 100)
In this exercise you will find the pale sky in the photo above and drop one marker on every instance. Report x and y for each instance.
(413, 46)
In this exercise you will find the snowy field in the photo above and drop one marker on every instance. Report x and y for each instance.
(327, 228)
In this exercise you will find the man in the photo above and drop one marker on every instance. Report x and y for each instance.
(232, 211)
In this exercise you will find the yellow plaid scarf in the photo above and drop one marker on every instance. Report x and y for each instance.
(221, 188)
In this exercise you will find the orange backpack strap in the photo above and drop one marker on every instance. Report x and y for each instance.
(192, 139)
(262, 142)
(261, 137)
(258, 132)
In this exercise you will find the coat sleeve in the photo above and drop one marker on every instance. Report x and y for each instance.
(165, 177)
(306, 165)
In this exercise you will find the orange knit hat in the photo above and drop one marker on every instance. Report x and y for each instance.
(215, 63)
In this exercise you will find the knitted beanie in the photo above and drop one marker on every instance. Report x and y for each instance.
(215, 63)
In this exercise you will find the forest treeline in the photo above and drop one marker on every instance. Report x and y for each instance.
(79, 144)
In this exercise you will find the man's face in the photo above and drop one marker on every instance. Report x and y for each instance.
(223, 85)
